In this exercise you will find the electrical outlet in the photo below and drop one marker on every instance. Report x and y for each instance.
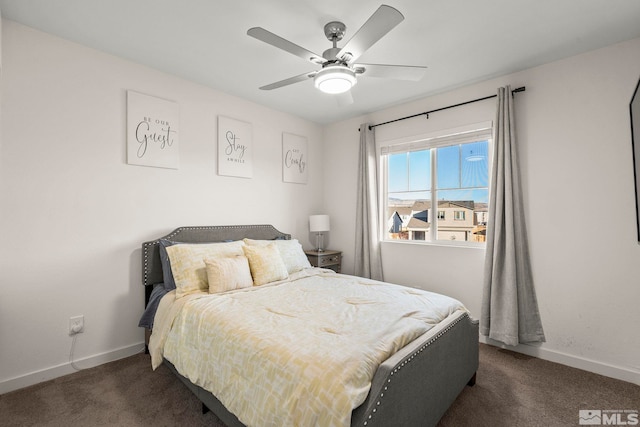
(76, 325)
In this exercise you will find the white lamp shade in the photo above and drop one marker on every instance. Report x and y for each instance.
(318, 223)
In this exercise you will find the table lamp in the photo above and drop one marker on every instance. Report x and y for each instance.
(319, 224)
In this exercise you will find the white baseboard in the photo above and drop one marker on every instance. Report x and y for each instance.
(600, 368)
(64, 369)
(608, 370)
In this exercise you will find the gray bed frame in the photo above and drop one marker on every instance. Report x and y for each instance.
(414, 387)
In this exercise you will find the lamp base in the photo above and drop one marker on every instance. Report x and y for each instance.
(319, 242)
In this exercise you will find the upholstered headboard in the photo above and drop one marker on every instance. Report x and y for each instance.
(152, 268)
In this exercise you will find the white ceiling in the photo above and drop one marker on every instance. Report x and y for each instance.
(461, 41)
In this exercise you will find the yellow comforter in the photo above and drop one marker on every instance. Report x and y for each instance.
(301, 352)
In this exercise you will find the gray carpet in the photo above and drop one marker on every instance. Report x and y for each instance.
(511, 390)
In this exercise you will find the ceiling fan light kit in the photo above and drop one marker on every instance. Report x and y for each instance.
(335, 79)
(339, 70)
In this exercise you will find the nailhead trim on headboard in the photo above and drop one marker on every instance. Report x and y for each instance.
(146, 261)
(409, 359)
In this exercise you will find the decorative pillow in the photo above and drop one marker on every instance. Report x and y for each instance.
(265, 263)
(228, 273)
(187, 263)
(291, 252)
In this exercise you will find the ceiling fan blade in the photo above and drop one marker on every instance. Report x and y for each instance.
(344, 98)
(277, 41)
(380, 23)
(289, 81)
(398, 72)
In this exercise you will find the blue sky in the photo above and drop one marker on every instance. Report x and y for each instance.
(463, 173)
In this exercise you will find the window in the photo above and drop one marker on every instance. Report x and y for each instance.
(439, 186)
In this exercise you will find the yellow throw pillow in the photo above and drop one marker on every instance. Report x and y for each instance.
(187, 263)
(291, 252)
(228, 273)
(265, 263)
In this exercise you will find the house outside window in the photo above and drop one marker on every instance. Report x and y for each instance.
(438, 185)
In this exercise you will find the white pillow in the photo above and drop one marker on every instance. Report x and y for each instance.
(265, 263)
(291, 252)
(187, 263)
(228, 273)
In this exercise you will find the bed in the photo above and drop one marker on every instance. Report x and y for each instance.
(412, 385)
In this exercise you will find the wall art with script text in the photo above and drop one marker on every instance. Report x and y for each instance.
(152, 131)
(294, 158)
(235, 148)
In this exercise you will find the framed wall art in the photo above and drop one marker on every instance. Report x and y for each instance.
(294, 158)
(152, 131)
(235, 148)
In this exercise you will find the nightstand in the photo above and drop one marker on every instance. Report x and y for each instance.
(326, 259)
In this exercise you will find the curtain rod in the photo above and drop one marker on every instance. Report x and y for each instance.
(426, 113)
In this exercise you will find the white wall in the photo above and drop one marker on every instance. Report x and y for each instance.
(73, 214)
(575, 147)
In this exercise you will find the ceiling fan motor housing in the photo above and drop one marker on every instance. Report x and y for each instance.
(334, 31)
(331, 55)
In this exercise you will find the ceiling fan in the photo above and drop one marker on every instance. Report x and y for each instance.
(339, 68)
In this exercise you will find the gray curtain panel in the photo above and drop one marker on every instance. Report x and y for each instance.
(509, 305)
(368, 262)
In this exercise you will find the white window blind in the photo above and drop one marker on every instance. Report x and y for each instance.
(478, 132)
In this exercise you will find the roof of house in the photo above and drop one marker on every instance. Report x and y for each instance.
(481, 207)
(466, 204)
(421, 205)
(417, 224)
(399, 210)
